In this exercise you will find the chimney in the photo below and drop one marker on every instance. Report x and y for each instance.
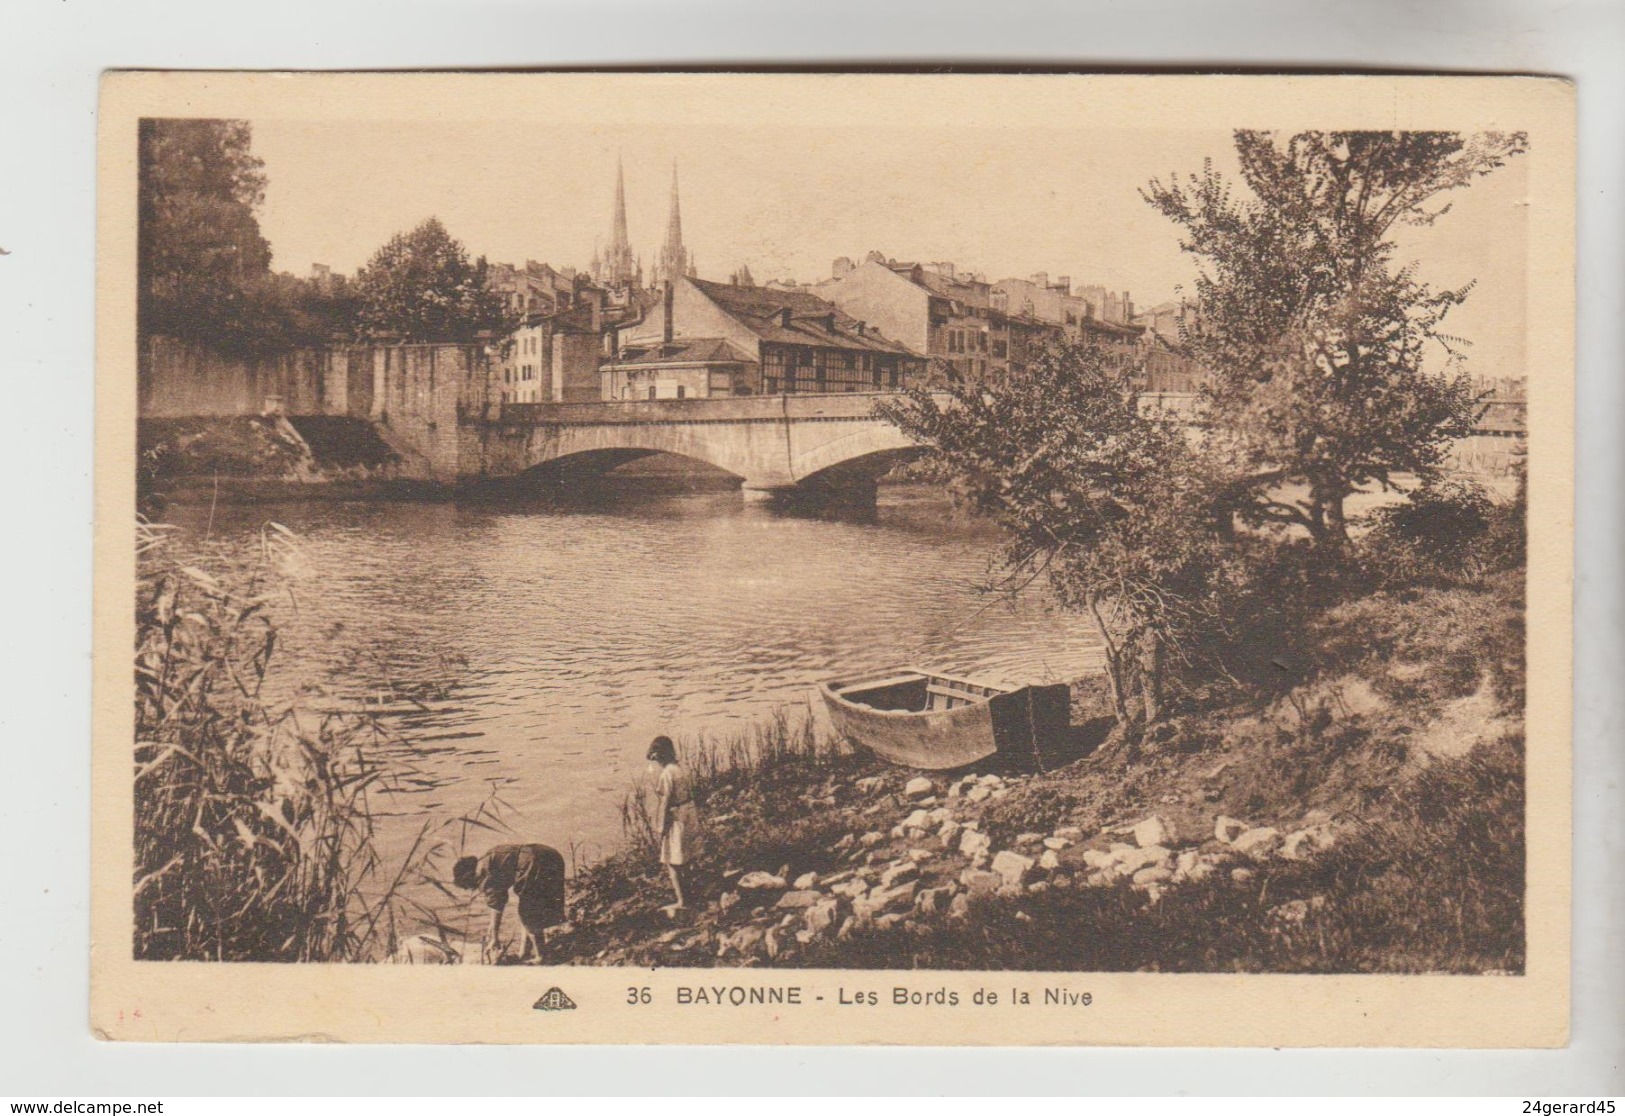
(597, 304)
(666, 330)
(1040, 279)
(1064, 283)
(860, 327)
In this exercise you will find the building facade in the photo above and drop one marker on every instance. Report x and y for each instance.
(707, 340)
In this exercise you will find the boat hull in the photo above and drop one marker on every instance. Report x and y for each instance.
(1023, 727)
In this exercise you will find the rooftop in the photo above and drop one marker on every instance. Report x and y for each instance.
(812, 321)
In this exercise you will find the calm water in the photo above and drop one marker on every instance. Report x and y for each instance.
(550, 644)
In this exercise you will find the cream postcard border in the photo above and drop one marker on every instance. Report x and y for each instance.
(158, 1001)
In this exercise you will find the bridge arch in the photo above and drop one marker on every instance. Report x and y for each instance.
(874, 448)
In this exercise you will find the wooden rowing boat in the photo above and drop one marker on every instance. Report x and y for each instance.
(937, 722)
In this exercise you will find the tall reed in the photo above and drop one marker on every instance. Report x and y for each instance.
(254, 836)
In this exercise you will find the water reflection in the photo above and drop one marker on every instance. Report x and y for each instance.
(534, 648)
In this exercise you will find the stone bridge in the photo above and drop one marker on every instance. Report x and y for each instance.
(776, 444)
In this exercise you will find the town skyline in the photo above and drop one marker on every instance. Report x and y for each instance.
(786, 203)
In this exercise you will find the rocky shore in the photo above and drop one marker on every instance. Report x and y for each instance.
(1370, 820)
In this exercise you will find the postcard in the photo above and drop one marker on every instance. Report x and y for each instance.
(811, 558)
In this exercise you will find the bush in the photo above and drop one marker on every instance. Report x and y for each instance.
(1433, 538)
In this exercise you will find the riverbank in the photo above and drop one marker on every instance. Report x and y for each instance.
(1369, 820)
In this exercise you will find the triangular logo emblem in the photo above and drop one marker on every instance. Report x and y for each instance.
(554, 999)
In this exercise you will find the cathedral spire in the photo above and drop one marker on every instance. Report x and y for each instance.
(674, 261)
(616, 268)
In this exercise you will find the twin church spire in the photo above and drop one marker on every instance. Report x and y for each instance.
(620, 267)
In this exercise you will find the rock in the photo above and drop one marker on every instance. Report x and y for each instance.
(959, 906)
(971, 843)
(806, 880)
(871, 839)
(1023, 916)
(899, 831)
(1228, 829)
(1104, 878)
(1152, 831)
(954, 791)
(920, 856)
(1258, 843)
(881, 900)
(918, 787)
(1316, 817)
(889, 921)
(1298, 909)
(420, 949)
(851, 926)
(1037, 887)
(949, 833)
(998, 793)
(821, 917)
(850, 888)
(1216, 770)
(745, 941)
(919, 819)
(844, 843)
(773, 941)
(1069, 833)
(869, 784)
(1148, 876)
(761, 881)
(1056, 843)
(728, 899)
(933, 900)
(1242, 875)
(1028, 839)
(838, 877)
(990, 780)
(805, 937)
(1306, 843)
(978, 793)
(1153, 856)
(979, 881)
(1062, 880)
(1049, 861)
(798, 900)
(929, 800)
(1098, 858)
(1185, 862)
(1012, 867)
(899, 873)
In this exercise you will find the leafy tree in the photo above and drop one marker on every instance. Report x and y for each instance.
(1111, 505)
(421, 286)
(1318, 343)
(201, 255)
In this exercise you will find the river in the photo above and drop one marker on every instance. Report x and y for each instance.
(549, 644)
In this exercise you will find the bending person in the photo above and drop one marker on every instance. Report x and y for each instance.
(534, 873)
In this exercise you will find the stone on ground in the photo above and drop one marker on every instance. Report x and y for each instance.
(1258, 843)
(918, 787)
(1228, 829)
(1012, 867)
(1152, 831)
(761, 881)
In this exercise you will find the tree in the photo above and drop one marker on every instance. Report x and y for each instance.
(422, 287)
(200, 252)
(1318, 344)
(1111, 505)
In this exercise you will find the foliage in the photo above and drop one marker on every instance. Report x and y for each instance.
(421, 286)
(1318, 343)
(253, 822)
(1433, 537)
(1112, 505)
(205, 268)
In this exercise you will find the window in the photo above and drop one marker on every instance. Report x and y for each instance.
(682, 392)
(651, 391)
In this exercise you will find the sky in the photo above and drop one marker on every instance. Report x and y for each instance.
(787, 200)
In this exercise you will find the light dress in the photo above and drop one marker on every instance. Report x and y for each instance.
(677, 793)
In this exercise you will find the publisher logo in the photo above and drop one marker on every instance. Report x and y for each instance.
(554, 999)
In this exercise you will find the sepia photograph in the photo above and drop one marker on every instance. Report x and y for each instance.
(803, 559)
